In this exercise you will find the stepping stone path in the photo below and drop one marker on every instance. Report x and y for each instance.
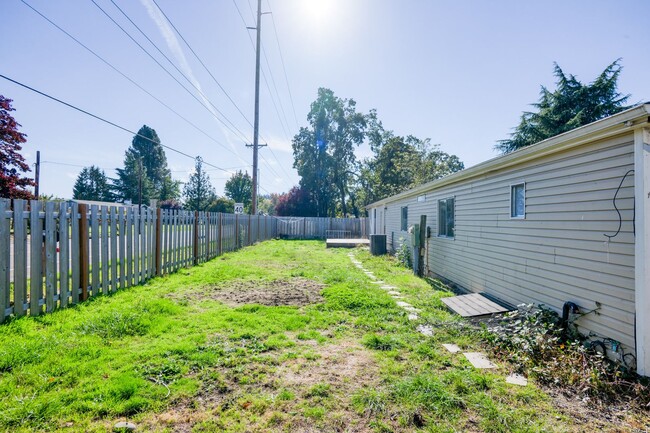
(477, 359)
(426, 330)
(452, 348)
(517, 379)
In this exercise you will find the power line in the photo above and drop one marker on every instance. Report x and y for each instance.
(284, 69)
(202, 63)
(110, 65)
(232, 129)
(105, 121)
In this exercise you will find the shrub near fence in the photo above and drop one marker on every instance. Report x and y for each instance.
(62, 253)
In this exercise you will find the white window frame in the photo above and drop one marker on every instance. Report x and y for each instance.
(512, 203)
(446, 236)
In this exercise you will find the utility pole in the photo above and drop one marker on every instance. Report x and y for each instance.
(38, 174)
(256, 126)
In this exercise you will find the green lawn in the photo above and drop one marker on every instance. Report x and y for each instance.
(176, 354)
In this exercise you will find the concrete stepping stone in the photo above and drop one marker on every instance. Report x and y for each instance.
(377, 282)
(413, 316)
(426, 330)
(412, 309)
(394, 293)
(451, 347)
(479, 360)
(404, 304)
(517, 379)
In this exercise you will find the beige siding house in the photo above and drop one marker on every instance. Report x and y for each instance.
(565, 220)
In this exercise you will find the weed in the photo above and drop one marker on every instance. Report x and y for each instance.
(380, 342)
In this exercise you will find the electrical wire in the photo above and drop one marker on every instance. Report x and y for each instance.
(202, 63)
(225, 122)
(284, 69)
(106, 121)
(620, 217)
(110, 65)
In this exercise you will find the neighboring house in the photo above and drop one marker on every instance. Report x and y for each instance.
(567, 219)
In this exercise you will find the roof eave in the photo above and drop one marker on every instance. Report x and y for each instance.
(627, 120)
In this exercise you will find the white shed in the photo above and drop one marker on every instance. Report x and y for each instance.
(567, 219)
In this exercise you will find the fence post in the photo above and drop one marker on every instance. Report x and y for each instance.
(158, 241)
(20, 258)
(5, 256)
(83, 250)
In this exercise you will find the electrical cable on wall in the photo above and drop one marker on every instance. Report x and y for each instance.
(620, 217)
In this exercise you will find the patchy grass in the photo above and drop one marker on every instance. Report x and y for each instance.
(189, 353)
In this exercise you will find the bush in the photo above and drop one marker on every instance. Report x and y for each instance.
(403, 252)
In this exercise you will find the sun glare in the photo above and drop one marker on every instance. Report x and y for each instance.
(317, 10)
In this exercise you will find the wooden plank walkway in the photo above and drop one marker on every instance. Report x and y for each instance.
(346, 243)
(473, 305)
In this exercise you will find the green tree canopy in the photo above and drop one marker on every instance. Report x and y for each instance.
(222, 204)
(324, 152)
(570, 105)
(239, 188)
(92, 184)
(198, 191)
(145, 159)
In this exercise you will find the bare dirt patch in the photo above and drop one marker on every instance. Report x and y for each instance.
(294, 291)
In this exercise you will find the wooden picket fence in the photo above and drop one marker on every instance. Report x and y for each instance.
(56, 254)
(322, 228)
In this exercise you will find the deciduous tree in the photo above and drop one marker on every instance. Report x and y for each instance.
(240, 188)
(13, 184)
(324, 152)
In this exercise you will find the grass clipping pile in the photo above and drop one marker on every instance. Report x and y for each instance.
(291, 292)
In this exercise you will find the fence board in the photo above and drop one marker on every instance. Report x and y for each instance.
(94, 249)
(129, 247)
(113, 233)
(5, 257)
(74, 242)
(104, 249)
(50, 256)
(35, 257)
(64, 255)
(20, 259)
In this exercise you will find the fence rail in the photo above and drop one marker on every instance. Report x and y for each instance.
(322, 228)
(56, 254)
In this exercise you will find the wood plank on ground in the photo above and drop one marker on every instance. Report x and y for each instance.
(472, 305)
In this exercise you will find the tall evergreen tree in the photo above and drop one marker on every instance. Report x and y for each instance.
(570, 105)
(12, 164)
(145, 162)
(198, 190)
(92, 184)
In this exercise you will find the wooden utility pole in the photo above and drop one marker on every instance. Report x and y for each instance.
(256, 125)
(37, 179)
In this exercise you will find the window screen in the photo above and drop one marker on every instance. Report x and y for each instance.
(446, 217)
(405, 217)
(518, 201)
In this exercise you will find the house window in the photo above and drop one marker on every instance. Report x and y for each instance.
(405, 217)
(518, 201)
(446, 217)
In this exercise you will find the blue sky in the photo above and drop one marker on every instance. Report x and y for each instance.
(459, 73)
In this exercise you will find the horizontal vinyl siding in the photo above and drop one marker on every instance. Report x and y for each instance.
(558, 253)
